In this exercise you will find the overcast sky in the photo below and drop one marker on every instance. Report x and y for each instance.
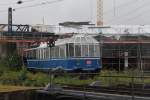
(115, 11)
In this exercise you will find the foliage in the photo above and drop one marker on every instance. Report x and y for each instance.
(14, 61)
(25, 78)
(11, 62)
(38, 79)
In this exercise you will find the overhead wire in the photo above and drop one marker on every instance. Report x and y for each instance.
(91, 10)
(29, 0)
(122, 5)
(8, 4)
(119, 6)
(38, 4)
(114, 5)
(138, 15)
(15, 2)
(33, 5)
(129, 13)
(54, 1)
(126, 4)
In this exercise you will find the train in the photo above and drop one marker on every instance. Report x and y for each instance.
(78, 53)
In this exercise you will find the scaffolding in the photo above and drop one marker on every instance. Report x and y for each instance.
(127, 51)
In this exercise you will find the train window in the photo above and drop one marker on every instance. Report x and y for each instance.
(91, 50)
(47, 53)
(84, 50)
(44, 53)
(97, 51)
(41, 54)
(83, 40)
(38, 52)
(62, 51)
(56, 52)
(44, 50)
(32, 54)
(77, 50)
(70, 50)
(67, 50)
(52, 52)
(35, 55)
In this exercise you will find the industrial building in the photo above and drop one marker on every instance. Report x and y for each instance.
(121, 47)
(129, 51)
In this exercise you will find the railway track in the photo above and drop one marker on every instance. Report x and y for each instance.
(112, 90)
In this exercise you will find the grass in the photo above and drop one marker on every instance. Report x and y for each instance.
(106, 78)
(8, 88)
(23, 78)
(71, 80)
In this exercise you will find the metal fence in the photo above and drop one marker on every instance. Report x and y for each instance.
(130, 83)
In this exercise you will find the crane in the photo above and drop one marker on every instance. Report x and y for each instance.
(99, 19)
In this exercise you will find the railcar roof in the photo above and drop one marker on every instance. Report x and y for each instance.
(77, 39)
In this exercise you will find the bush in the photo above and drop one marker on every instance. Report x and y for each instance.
(12, 61)
(24, 77)
(10, 78)
(38, 79)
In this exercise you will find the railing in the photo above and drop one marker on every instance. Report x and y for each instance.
(125, 83)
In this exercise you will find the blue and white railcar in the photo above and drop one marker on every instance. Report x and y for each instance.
(79, 52)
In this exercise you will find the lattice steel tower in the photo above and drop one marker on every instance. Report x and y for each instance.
(99, 19)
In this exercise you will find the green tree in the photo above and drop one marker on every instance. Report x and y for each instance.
(13, 61)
